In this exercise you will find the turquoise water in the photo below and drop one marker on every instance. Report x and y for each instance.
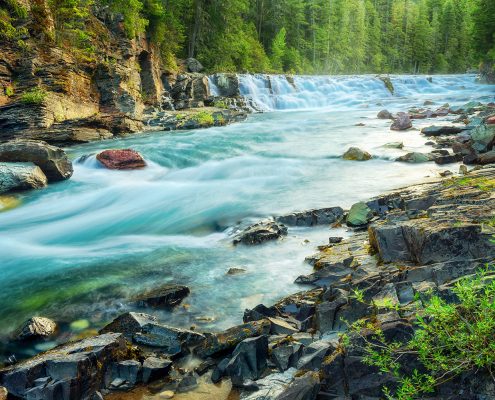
(81, 248)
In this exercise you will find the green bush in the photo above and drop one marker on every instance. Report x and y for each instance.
(450, 339)
(34, 96)
(204, 118)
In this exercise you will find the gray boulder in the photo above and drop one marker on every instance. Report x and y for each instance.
(194, 65)
(249, 360)
(401, 122)
(286, 356)
(323, 216)
(441, 130)
(304, 387)
(314, 355)
(385, 114)
(261, 232)
(416, 158)
(20, 176)
(155, 368)
(52, 160)
(164, 297)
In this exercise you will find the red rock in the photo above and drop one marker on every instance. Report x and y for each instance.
(491, 120)
(121, 159)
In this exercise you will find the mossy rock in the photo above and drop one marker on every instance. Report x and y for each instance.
(359, 215)
(356, 154)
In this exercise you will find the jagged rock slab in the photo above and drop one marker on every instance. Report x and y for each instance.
(323, 216)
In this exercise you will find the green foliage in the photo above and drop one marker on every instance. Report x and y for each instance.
(450, 339)
(34, 96)
(204, 118)
(9, 90)
(11, 14)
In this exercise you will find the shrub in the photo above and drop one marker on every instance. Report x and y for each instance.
(204, 118)
(34, 96)
(450, 339)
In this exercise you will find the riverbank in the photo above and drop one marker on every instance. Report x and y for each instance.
(406, 244)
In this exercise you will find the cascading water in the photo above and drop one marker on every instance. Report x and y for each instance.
(84, 247)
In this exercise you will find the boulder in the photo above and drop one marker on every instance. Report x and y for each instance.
(121, 159)
(220, 342)
(281, 327)
(441, 130)
(235, 271)
(219, 370)
(164, 297)
(394, 145)
(261, 232)
(305, 387)
(286, 356)
(490, 120)
(3, 393)
(356, 154)
(322, 216)
(385, 114)
(52, 160)
(415, 158)
(448, 159)
(249, 360)
(314, 355)
(155, 368)
(401, 122)
(194, 65)
(486, 158)
(125, 374)
(483, 138)
(20, 176)
(37, 327)
(359, 215)
(145, 329)
(271, 386)
(72, 371)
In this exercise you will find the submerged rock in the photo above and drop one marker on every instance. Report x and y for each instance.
(261, 232)
(236, 271)
(385, 114)
(52, 160)
(394, 145)
(401, 122)
(165, 296)
(359, 215)
(121, 159)
(415, 158)
(37, 327)
(356, 154)
(20, 176)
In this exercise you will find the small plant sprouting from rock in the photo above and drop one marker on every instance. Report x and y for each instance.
(449, 339)
(34, 96)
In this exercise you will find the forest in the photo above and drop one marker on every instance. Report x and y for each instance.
(296, 36)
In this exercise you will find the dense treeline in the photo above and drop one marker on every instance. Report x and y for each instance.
(312, 36)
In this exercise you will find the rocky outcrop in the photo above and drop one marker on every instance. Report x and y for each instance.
(261, 232)
(121, 159)
(20, 176)
(322, 216)
(52, 160)
(73, 371)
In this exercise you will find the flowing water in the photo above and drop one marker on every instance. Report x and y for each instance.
(81, 248)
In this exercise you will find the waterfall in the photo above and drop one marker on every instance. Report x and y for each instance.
(280, 92)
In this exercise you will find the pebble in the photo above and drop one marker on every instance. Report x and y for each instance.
(167, 394)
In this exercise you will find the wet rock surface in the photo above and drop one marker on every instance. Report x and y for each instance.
(121, 159)
(261, 232)
(37, 327)
(21, 176)
(166, 296)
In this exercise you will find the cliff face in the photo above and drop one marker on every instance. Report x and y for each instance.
(56, 93)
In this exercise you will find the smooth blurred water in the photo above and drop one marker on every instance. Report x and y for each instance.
(82, 248)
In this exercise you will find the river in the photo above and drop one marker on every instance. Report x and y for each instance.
(79, 249)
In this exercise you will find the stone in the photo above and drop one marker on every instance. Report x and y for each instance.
(448, 159)
(65, 365)
(281, 327)
(486, 158)
(166, 395)
(385, 114)
(286, 356)
(188, 382)
(220, 370)
(258, 313)
(3, 393)
(166, 296)
(236, 271)
(388, 83)
(121, 159)
(155, 368)
(20, 176)
(314, 355)
(483, 138)
(220, 342)
(326, 313)
(261, 232)
(127, 372)
(415, 158)
(359, 215)
(79, 325)
(335, 239)
(249, 360)
(394, 145)
(401, 122)
(441, 130)
(490, 120)
(271, 386)
(129, 323)
(356, 154)
(463, 169)
(37, 327)
(52, 160)
(305, 387)
(194, 65)
(322, 216)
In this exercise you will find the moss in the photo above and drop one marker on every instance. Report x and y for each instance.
(220, 104)
(482, 183)
(204, 118)
(34, 96)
